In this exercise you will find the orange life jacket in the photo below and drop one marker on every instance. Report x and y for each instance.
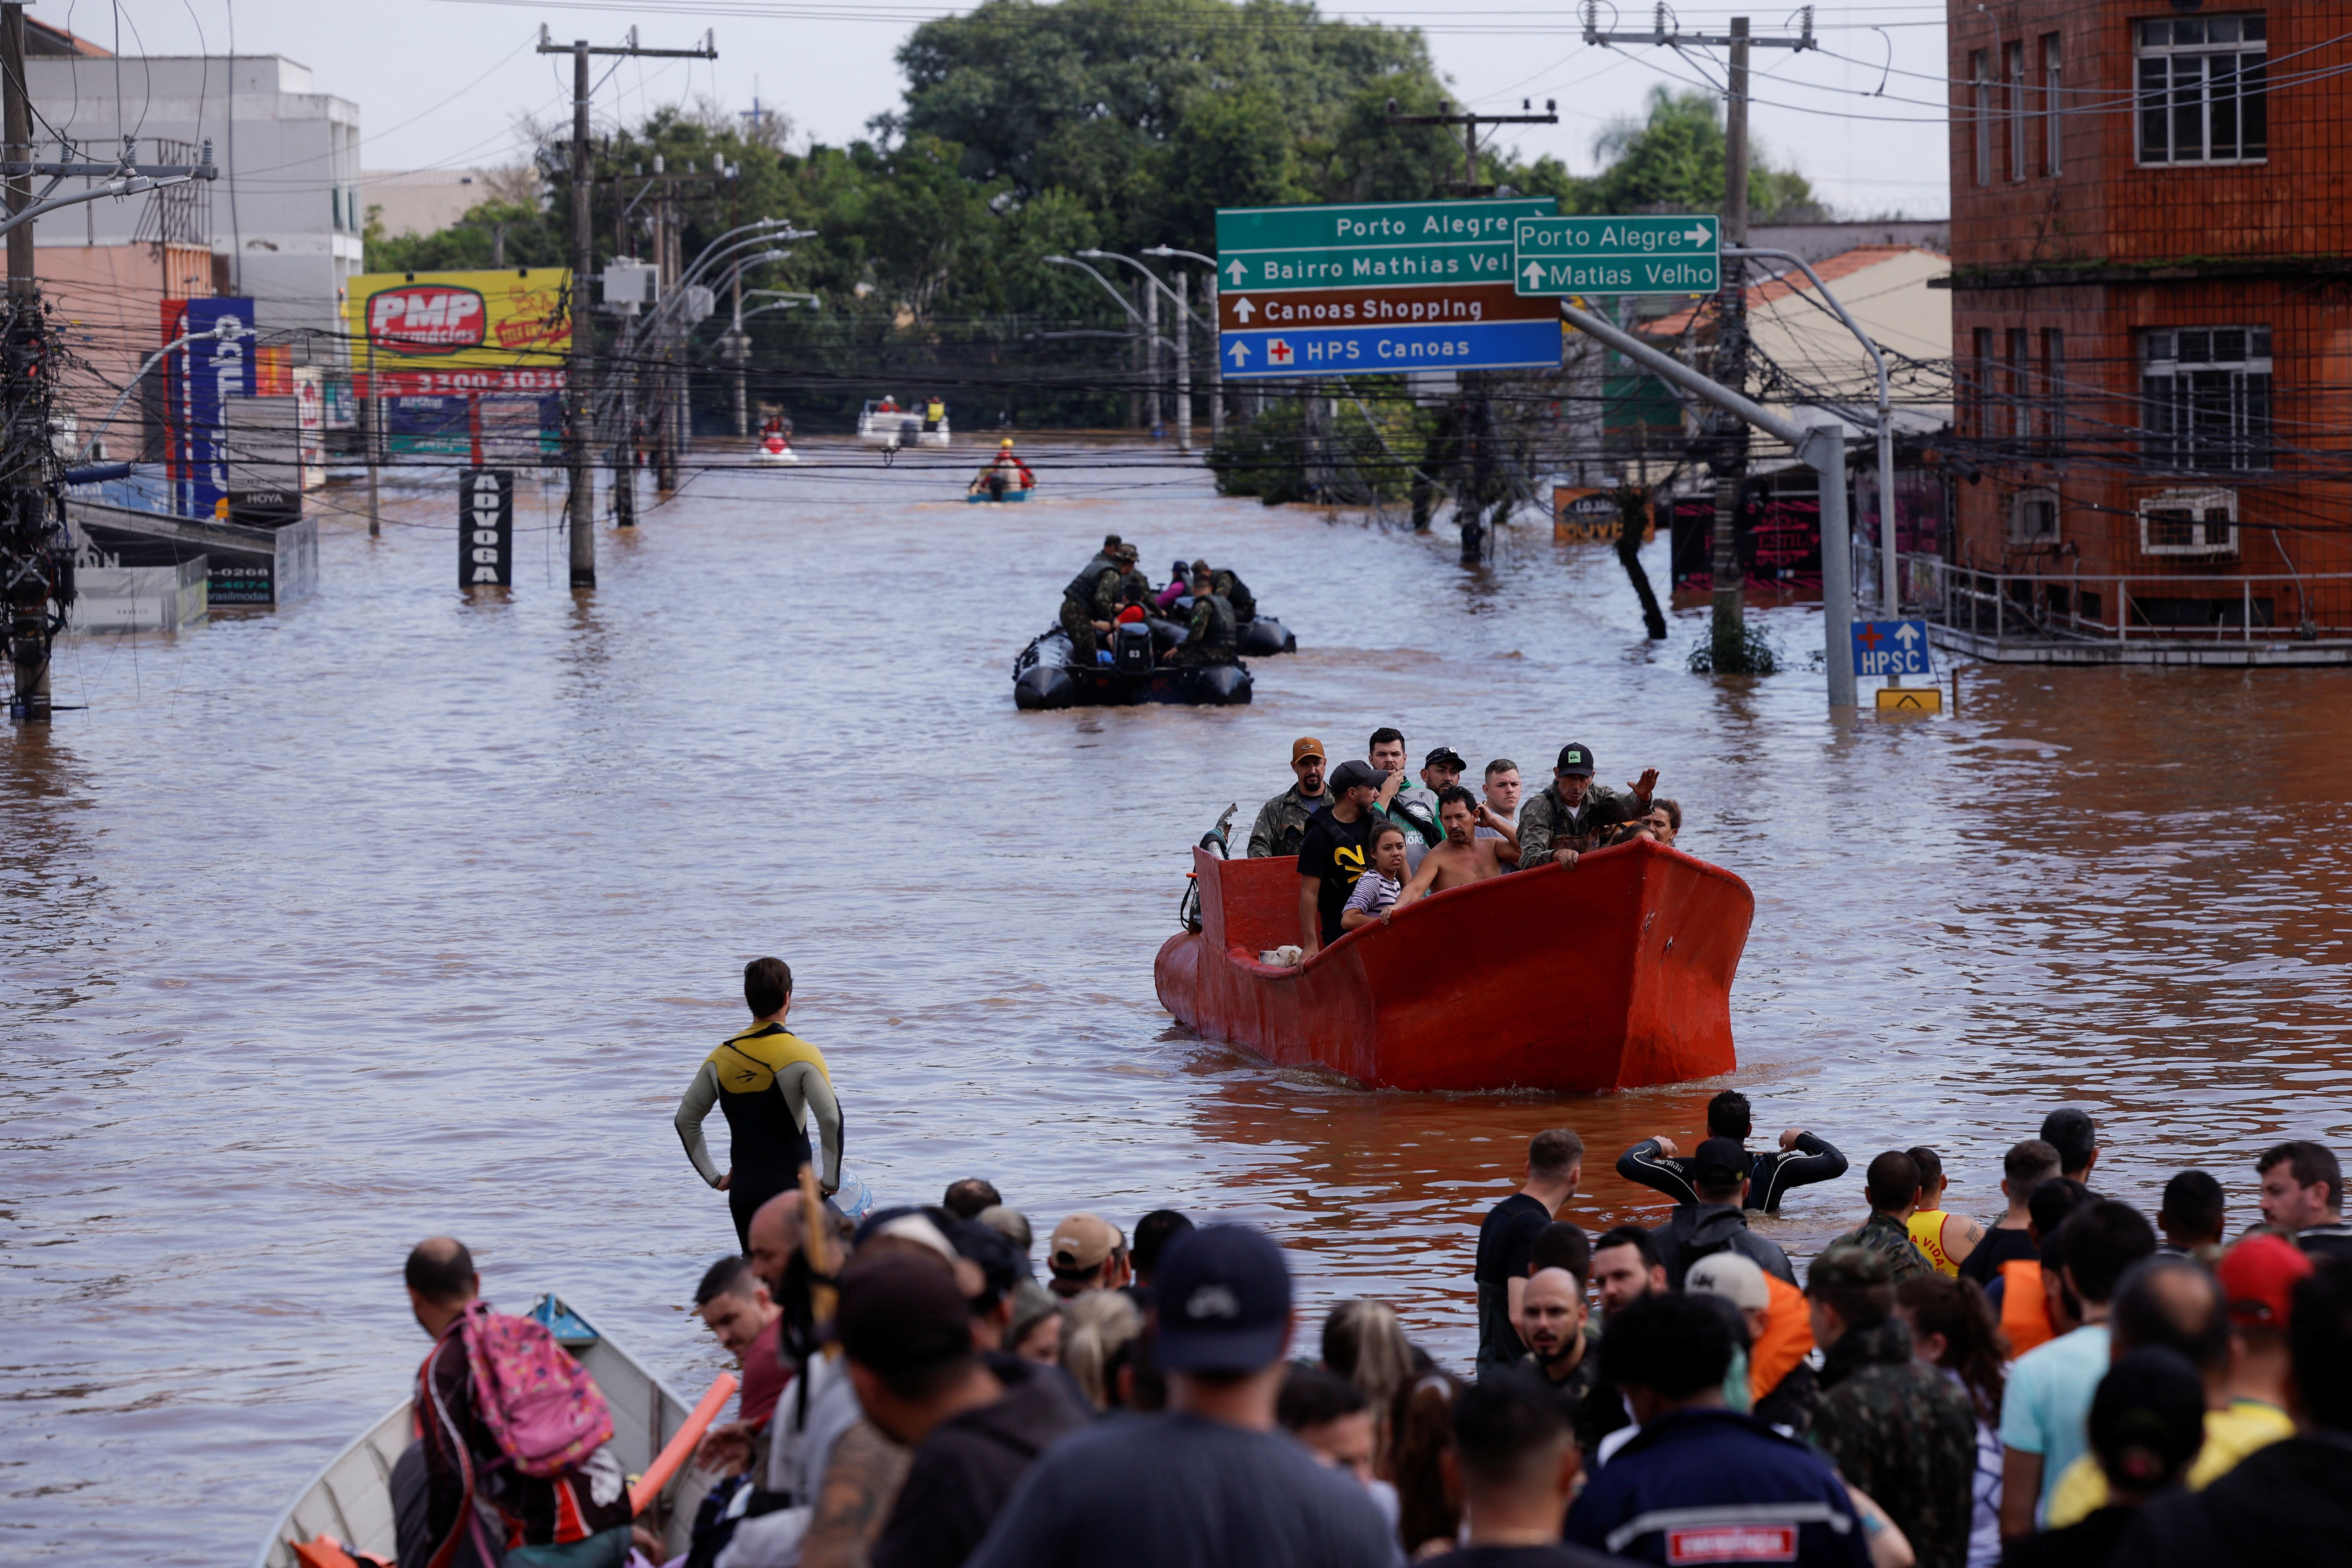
(2024, 1310)
(1786, 1338)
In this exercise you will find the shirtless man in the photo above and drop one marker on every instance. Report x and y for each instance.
(1463, 858)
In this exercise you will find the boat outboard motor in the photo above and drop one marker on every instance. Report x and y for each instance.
(1131, 647)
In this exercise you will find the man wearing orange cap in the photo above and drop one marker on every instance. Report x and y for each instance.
(1281, 824)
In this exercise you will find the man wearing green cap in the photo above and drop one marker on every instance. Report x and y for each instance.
(1561, 821)
(1895, 1427)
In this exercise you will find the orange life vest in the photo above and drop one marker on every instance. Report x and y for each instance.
(1786, 1338)
(2024, 1310)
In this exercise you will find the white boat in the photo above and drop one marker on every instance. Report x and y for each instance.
(350, 1499)
(773, 450)
(899, 428)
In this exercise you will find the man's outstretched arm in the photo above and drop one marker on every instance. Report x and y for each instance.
(1802, 1160)
(1646, 1163)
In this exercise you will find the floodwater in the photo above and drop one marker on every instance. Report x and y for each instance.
(391, 913)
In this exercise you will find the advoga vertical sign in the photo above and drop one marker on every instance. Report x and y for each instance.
(485, 528)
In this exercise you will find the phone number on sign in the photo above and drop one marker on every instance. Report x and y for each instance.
(444, 382)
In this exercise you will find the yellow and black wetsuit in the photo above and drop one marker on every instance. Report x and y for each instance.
(767, 1081)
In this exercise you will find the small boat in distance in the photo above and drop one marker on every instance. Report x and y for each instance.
(350, 1499)
(774, 450)
(1614, 974)
(882, 423)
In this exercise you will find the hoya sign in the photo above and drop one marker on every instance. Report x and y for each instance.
(425, 318)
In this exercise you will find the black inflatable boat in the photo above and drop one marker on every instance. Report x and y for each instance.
(1045, 675)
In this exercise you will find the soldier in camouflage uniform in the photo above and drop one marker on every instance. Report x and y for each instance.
(1893, 1187)
(1895, 1426)
(1565, 818)
(1281, 825)
(1091, 599)
(1211, 638)
(1226, 581)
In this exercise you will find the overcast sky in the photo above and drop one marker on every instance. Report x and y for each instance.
(442, 82)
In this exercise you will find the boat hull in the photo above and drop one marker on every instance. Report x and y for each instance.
(1045, 676)
(350, 1499)
(1614, 975)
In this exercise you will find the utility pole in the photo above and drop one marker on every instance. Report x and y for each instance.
(579, 390)
(1469, 184)
(1728, 445)
(28, 587)
(1183, 364)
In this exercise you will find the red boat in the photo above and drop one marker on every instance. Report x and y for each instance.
(1612, 975)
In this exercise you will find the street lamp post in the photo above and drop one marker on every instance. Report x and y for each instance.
(1151, 334)
(1216, 360)
(1184, 317)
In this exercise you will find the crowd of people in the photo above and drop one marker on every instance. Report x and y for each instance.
(1369, 843)
(2068, 1383)
(1111, 590)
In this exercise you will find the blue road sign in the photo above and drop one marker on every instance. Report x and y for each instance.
(1378, 350)
(1891, 647)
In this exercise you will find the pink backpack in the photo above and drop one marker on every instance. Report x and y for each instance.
(545, 1411)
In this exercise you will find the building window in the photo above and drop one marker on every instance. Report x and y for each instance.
(2034, 517)
(2201, 85)
(2206, 397)
(2054, 388)
(2189, 523)
(2020, 401)
(2013, 68)
(2053, 106)
(1980, 383)
(1982, 115)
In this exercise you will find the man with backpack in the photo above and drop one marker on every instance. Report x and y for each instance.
(518, 1466)
(1717, 1222)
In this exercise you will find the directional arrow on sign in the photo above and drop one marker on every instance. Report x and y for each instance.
(1238, 271)
(1240, 354)
(1697, 235)
(1242, 306)
(1907, 634)
(1535, 273)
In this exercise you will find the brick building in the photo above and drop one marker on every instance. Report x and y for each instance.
(2152, 320)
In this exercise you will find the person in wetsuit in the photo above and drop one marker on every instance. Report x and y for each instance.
(1801, 1160)
(766, 1079)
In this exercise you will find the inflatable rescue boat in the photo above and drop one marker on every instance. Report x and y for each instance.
(1615, 974)
(1047, 675)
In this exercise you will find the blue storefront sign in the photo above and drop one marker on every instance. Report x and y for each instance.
(203, 373)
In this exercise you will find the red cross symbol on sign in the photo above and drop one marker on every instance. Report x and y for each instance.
(1869, 636)
(1278, 352)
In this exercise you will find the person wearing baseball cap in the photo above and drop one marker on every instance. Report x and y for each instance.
(1087, 1253)
(1210, 1480)
(1563, 820)
(2258, 1278)
(1717, 1222)
(1333, 854)
(1440, 772)
(1281, 825)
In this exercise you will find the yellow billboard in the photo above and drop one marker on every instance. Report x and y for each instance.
(436, 333)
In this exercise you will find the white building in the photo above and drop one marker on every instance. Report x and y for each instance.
(421, 201)
(285, 214)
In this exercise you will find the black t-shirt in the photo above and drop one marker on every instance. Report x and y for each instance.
(1336, 851)
(1526, 1557)
(1506, 1240)
(1998, 1246)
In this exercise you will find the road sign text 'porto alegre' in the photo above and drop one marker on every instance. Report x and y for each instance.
(1648, 253)
(1378, 289)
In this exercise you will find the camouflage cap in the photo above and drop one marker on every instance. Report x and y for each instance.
(1850, 1268)
(1124, 551)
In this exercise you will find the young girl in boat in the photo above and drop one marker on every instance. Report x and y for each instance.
(1376, 889)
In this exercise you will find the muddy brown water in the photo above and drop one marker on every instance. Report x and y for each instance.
(394, 912)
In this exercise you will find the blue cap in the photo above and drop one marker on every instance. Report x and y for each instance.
(1224, 1301)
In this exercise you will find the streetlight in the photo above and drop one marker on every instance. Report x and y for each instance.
(739, 347)
(1216, 360)
(1150, 328)
(1183, 347)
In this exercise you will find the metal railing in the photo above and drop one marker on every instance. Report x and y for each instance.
(2076, 606)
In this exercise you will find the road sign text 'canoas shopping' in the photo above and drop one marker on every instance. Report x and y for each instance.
(1376, 289)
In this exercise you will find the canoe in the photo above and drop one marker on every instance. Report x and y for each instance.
(350, 1499)
(1614, 974)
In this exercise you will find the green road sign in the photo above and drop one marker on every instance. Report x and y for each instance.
(1374, 246)
(1650, 253)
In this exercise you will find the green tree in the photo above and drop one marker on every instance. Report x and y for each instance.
(1675, 158)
